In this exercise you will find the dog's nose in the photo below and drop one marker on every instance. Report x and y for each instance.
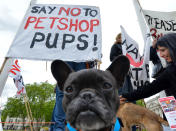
(88, 95)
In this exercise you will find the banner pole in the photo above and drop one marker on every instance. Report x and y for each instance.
(29, 108)
(30, 121)
(4, 72)
(141, 20)
(3, 64)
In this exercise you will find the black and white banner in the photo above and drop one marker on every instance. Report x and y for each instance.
(160, 23)
(139, 64)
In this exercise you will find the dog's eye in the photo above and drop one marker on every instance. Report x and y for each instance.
(107, 85)
(69, 89)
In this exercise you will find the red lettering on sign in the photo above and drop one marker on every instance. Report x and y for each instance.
(30, 20)
(86, 25)
(72, 24)
(73, 12)
(62, 23)
(53, 21)
(39, 21)
(154, 33)
(14, 69)
(63, 9)
(93, 22)
(132, 62)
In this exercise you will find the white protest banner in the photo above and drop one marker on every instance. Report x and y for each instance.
(168, 105)
(67, 32)
(15, 73)
(160, 23)
(139, 65)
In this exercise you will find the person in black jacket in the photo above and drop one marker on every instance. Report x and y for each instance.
(116, 48)
(166, 46)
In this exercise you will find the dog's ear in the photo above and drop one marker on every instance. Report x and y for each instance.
(119, 68)
(60, 71)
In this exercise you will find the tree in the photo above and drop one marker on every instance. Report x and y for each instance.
(41, 99)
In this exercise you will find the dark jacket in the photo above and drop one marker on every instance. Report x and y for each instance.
(153, 56)
(166, 81)
(116, 50)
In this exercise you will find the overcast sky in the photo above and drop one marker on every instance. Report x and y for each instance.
(113, 14)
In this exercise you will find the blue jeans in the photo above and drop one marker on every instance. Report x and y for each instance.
(58, 115)
(77, 66)
(127, 86)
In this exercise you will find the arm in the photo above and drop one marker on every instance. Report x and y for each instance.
(161, 83)
(153, 53)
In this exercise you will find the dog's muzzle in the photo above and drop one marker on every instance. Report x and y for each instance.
(88, 111)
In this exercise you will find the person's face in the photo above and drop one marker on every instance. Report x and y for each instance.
(164, 53)
(119, 39)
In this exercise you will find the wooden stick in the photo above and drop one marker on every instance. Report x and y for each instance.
(3, 64)
(25, 101)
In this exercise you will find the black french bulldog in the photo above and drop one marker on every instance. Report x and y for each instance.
(91, 96)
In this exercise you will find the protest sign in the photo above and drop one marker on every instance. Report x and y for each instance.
(67, 32)
(168, 105)
(160, 23)
(139, 64)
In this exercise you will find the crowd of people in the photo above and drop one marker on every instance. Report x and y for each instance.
(164, 77)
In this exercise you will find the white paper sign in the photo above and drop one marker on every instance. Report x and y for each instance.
(67, 32)
(168, 105)
(160, 23)
(139, 64)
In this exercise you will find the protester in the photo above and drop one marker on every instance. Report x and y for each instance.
(58, 115)
(166, 46)
(116, 50)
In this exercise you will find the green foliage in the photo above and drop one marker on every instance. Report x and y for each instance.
(41, 99)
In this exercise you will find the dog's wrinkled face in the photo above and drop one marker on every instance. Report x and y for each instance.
(90, 96)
